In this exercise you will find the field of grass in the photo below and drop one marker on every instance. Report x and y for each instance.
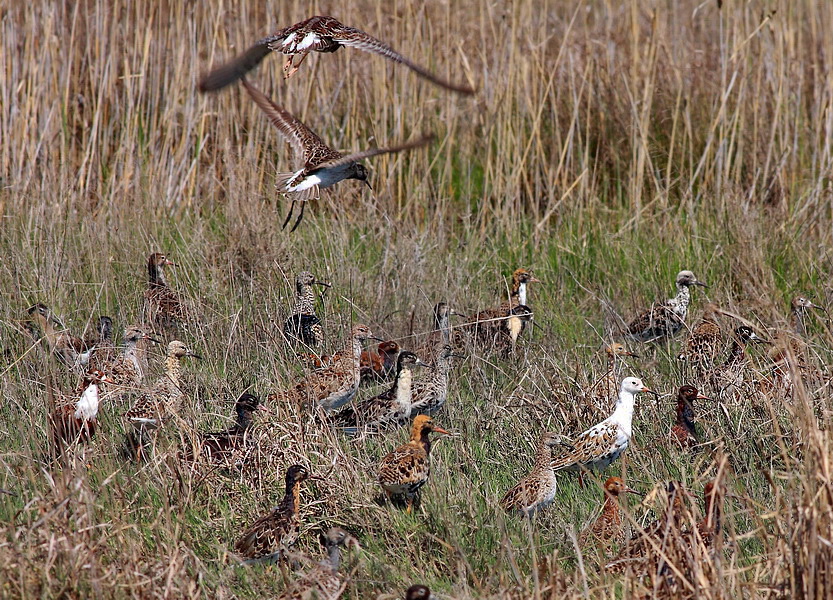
(609, 145)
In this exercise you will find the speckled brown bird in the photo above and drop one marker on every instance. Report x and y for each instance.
(405, 470)
(316, 34)
(333, 386)
(163, 308)
(608, 529)
(537, 490)
(789, 351)
(380, 365)
(665, 317)
(518, 293)
(70, 350)
(101, 344)
(303, 325)
(218, 446)
(76, 420)
(709, 527)
(324, 582)
(733, 373)
(430, 392)
(268, 539)
(684, 431)
(704, 343)
(128, 368)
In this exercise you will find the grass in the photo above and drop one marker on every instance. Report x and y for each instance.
(609, 145)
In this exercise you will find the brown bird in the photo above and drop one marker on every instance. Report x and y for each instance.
(732, 374)
(380, 365)
(419, 592)
(665, 318)
(324, 582)
(430, 392)
(684, 431)
(608, 528)
(521, 278)
(69, 349)
(442, 332)
(323, 166)
(268, 539)
(317, 34)
(789, 352)
(537, 490)
(333, 386)
(708, 528)
(704, 343)
(218, 446)
(77, 420)
(128, 368)
(163, 308)
(405, 470)
(303, 325)
(102, 347)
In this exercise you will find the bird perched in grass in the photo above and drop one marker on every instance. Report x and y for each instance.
(607, 529)
(324, 581)
(163, 308)
(76, 420)
(684, 431)
(665, 317)
(537, 489)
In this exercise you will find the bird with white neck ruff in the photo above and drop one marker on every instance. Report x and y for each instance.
(665, 318)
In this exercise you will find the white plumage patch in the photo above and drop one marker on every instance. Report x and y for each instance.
(87, 407)
(309, 40)
(306, 183)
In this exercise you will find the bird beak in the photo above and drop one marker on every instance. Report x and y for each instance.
(367, 183)
(758, 340)
(457, 314)
(194, 354)
(169, 262)
(629, 353)
(702, 397)
(649, 390)
(630, 490)
(152, 339)
(701, 284)
(322, 283)
(419, 362)
(351, 541)
(460, 356)
(534, 280)
(378, 339)
(441, 430)
(264, 409)
(821, 308)
(316, 477)
(108, 380)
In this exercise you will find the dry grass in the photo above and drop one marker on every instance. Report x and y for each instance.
(610, 144)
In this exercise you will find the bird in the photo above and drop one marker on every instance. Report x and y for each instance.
(518, 293)
(271, 535)
(788, 354)
(323, 166)
(606, 387)
(324, 582)
(442, 332)
(603, 443)
(102, 347)
(730, 376)
(501, 333)
(704, 343)
(158, 403)
(163, 308)
(388, 409)
(77, 420)
(128, 368)
(419, 592)
(537, 490)
(303, 325)
(380, 365)
(665, 317)
(317, 34)
(70, 350)
(608, 529)
(684, 430)
(405, 470)
(219, 445)
(333, 386)
(430, 392)
(709, 527)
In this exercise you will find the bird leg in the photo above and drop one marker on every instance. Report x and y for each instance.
(289, 216)
(410, 504)
(581, 478)
(300, 217)
(288, 69)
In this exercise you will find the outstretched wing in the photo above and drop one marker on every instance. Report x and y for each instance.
(235, 69)
(355, 38)
(357, 156)
(304, 141)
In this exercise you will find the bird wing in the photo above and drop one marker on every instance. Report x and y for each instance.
(589, 446)
(235, 69)
(407, 464)
(355, 38)
(305, 142)
(357, 156)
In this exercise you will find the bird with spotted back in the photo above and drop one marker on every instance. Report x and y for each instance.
(323, 166)
(268, 539)
(789, 350)
(518, 294)
(608, 529)
(317, 34)
(405, 470)
(430, 392)
(684, 430)
(163, 308)
(732, 374)
(537, 490)
(704, 343)
(128, 368)
(218, 446)
(380, 365)
(101, 344)
(665, 318)
(603, 443)
(303, 325)
(324, 582)
(76, 420)
(388, 409)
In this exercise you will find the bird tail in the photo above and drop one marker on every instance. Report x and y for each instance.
(235, 69)
(284, 181)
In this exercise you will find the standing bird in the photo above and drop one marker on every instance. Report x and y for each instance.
(606, 387)
(157, 404)
(704, 343)
(219, 445)
(429, 393)
(600, 445)
(317, 34)
(77, 420)
(163, 308)
(335, 385)
(323, 166)
(665, 317)
(390, 408)
(730, 376)
(789, 352)
(537, 489)
(271, 535)
(380, 365)
(69, 349)
(709, 527)
(608, 527)
(102, 347)
(441, 334)
(324, 582)
(128, 368)
(303, 325)
(405, 470)
(684, 431)
(518, 293)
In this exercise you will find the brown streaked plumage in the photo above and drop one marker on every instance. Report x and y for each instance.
(69, 349)
(666, 317)
(163, 308)
(789, 352)
(704, 343)
(334, 385)
(324, 581)
(684, 430)
(380, 365)
(608, 528)
(128, 368)
(102, 347)
(303, 325)
(317, 34)
(430, 392)
(405, 470)
(521, 278)
(77, 420)
(537, 490)
(218, 446)
(323, 166)
(732, 374)
(271, 535)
